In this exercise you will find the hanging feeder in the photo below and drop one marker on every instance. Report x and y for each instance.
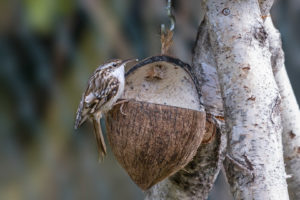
(158, 131)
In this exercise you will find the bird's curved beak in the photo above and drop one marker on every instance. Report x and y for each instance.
(129, 60)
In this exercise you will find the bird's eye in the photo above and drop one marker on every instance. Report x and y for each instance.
(114, 64)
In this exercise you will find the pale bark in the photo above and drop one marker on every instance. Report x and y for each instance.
(265, 7)
(254, 165)
(197, 178)
(244, 46)
(290, 114)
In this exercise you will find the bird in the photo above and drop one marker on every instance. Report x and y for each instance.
(105, 87)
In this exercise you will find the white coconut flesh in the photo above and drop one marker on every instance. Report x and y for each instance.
(163, 83)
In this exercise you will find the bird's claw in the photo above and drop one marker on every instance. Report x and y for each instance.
(122, 104)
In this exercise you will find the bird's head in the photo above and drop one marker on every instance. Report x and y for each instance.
(116, 63)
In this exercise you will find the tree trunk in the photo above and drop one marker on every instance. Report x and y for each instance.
(254, 165)
(236, 48)
(290, 114)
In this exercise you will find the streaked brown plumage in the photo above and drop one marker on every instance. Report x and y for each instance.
(105, 87)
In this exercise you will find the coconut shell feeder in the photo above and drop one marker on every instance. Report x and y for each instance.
(159, 129)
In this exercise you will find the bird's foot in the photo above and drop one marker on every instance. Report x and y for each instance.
(122, 104)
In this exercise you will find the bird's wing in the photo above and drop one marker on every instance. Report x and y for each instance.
(98, 92)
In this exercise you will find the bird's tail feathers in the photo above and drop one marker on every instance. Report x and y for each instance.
(99, 138)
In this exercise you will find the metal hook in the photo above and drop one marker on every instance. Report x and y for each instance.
(171, 17)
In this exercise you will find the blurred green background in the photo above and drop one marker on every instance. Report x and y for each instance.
(48, 49)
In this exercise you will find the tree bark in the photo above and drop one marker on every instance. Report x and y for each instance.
(254, 165)
(233, 59)
(265, 7)
(290, 114)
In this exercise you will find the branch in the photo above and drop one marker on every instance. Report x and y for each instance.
(254, 164)
(290, 114)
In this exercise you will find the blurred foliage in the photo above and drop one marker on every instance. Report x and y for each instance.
(48, 49)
